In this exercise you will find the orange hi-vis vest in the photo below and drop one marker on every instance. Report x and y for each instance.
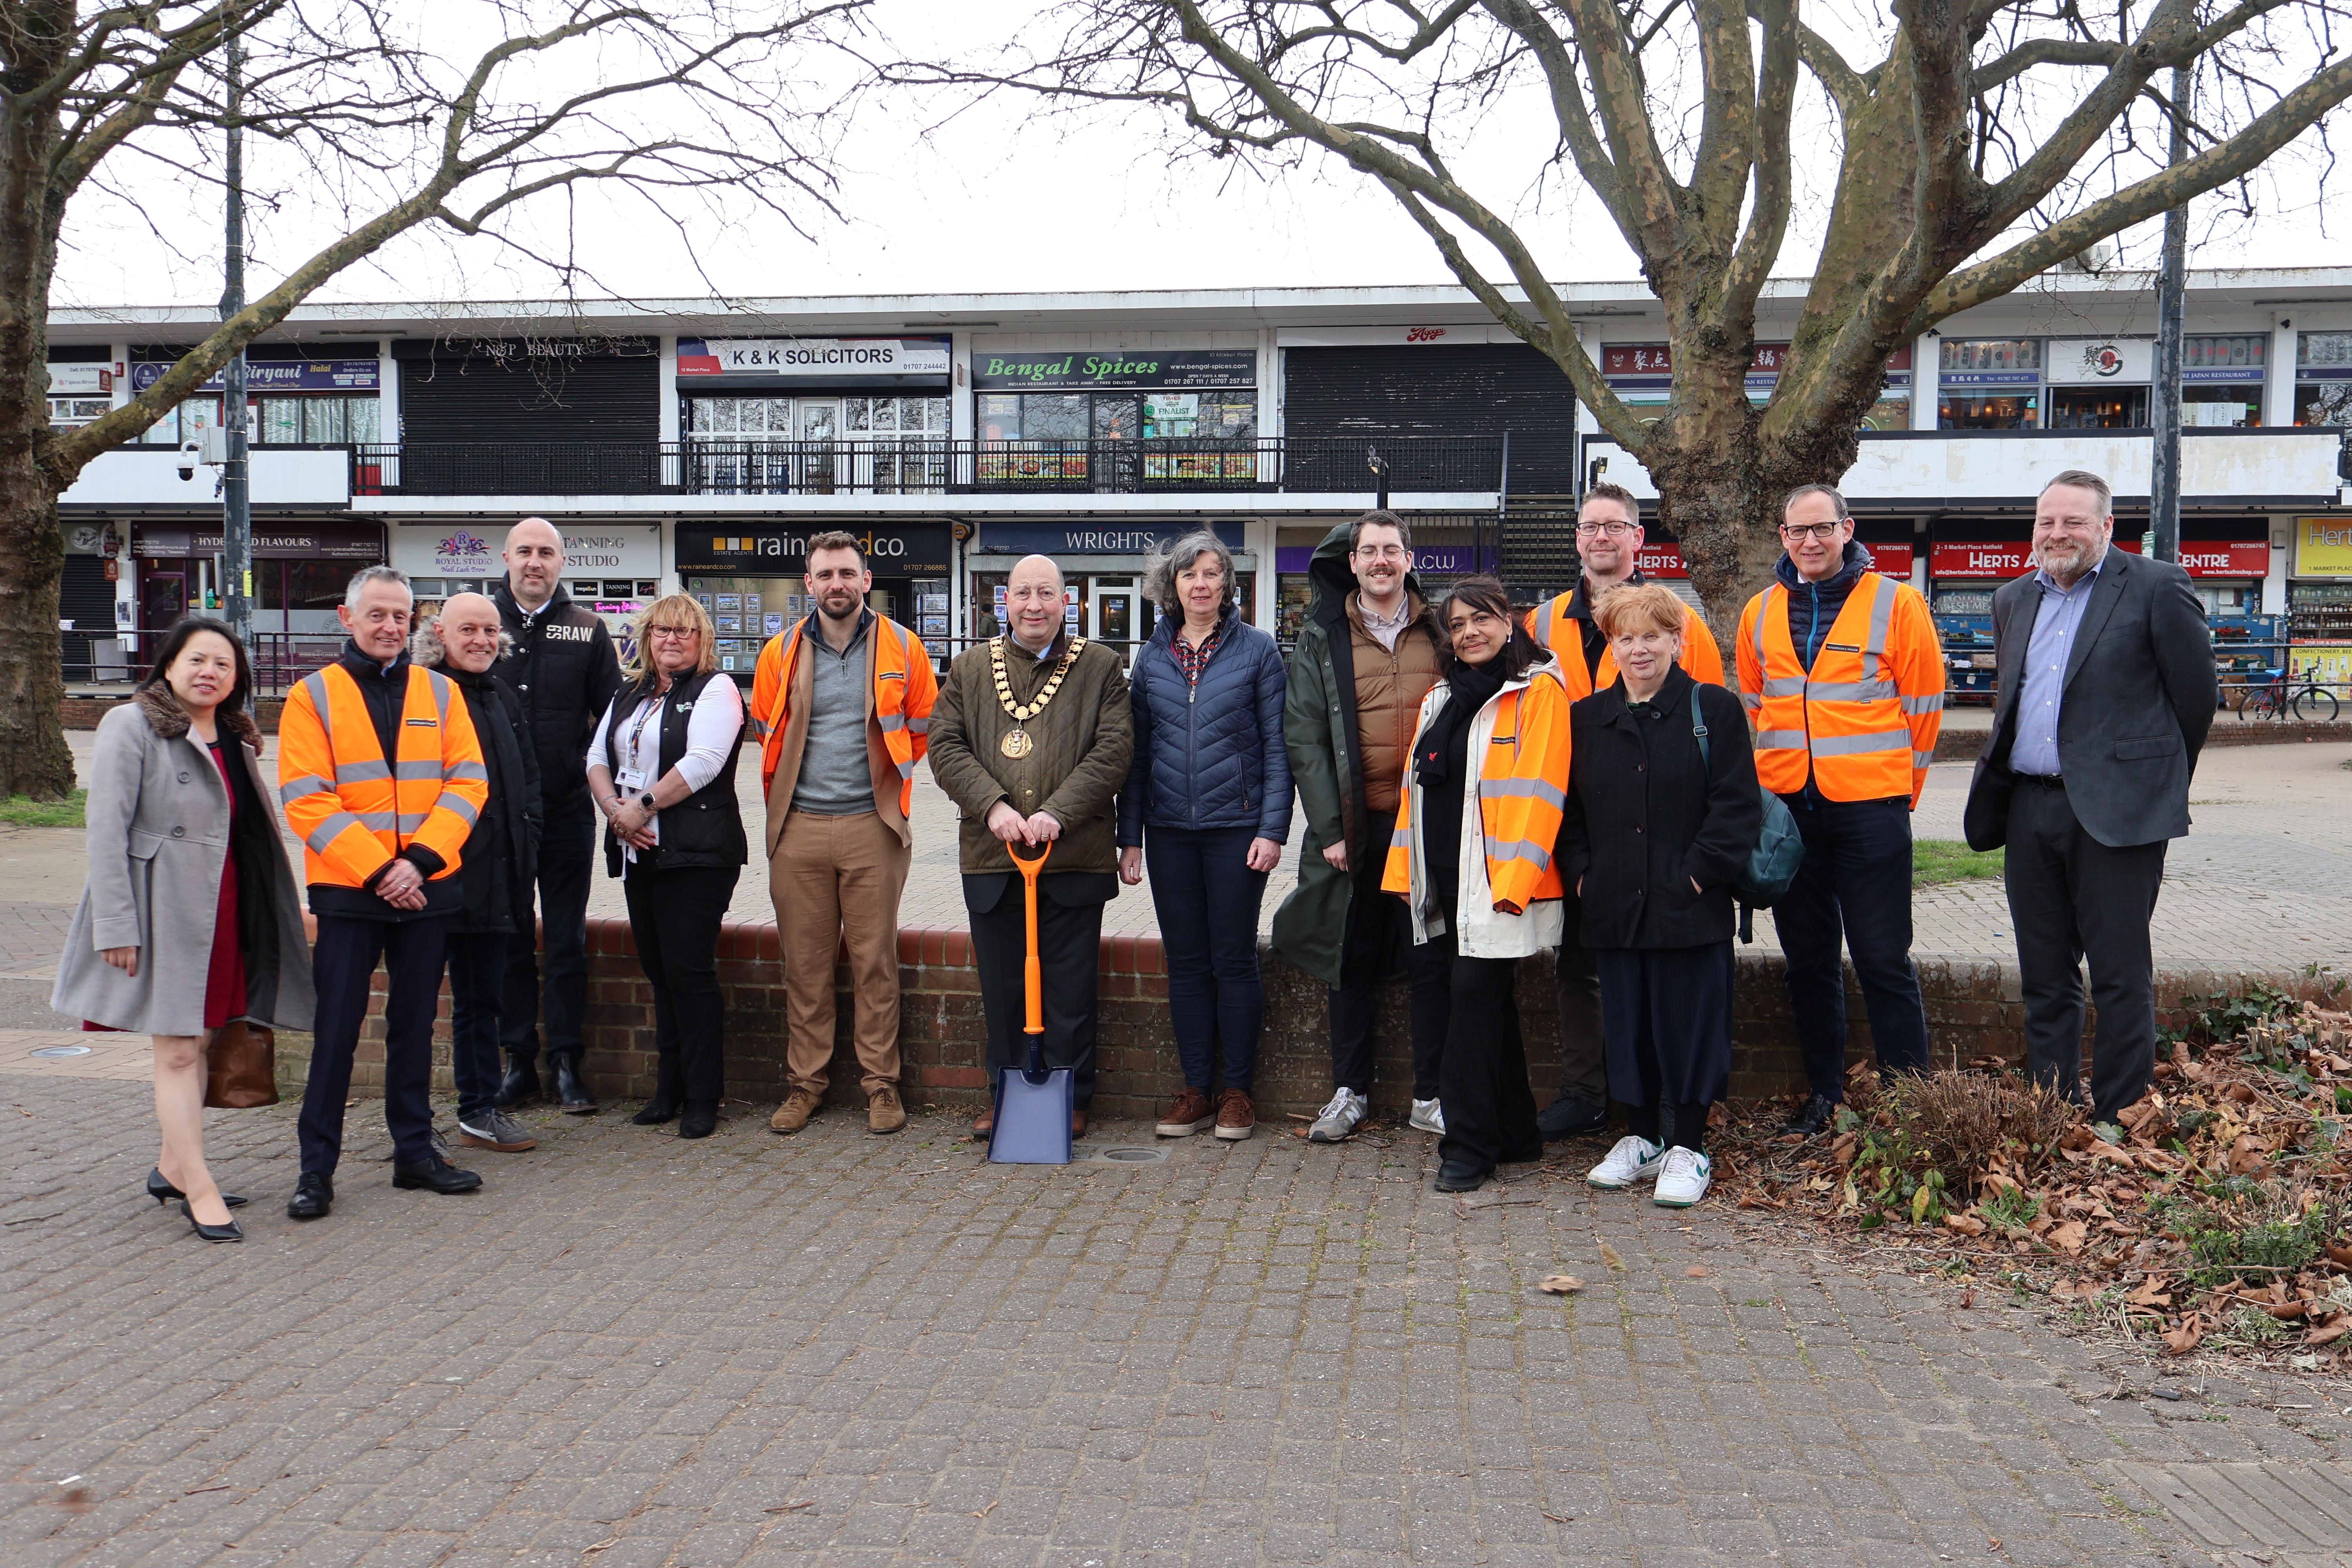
(352, 808)
(1522, 768)
(1555, 629)
(904, 691)
(1861, 723)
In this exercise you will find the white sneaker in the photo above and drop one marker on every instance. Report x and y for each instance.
(1682, 1176)
(1429, 1116)
(1336, 1123)
(1630, 1159)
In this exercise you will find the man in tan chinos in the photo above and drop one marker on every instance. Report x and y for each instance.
(842, 704)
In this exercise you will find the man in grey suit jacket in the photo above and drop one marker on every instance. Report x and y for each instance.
(2107, 688)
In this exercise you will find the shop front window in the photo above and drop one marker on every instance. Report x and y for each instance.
(1891, 412)
(2098, 408)
(73, 413)
(188, 422)
(2019, 412)
(746, 611)
(2209, 403)
(2323, 403)
(316, 419)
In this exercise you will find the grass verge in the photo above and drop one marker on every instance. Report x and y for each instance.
(23, 811)
(1935, 861)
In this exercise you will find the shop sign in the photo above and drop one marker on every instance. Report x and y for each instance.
(1092, 537)
(2323, 546)
(82, 381)
(1995, 558)
(318, 541)
(473, 552)
(1134, 367)
(278, 375)
(2217, 557)
(801, 359)
(1764, 369)
(1666, 561)
(2328, 663)
(2088, 362)
(775, 550)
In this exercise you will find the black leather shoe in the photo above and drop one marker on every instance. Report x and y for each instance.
(1454, 1178)
(521, 1084)
(571, 1094)
(656, 1111)
(1570, 1116)
(437, 1177)
(700, 1121)
(314, 1194)
(1813, 1118)
(164, 1192)
(211, 1232)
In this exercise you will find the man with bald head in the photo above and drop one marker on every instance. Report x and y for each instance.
(496, 873)
(1030, 737)
(562, 667)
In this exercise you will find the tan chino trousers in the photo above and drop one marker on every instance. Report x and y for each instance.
(831, 879)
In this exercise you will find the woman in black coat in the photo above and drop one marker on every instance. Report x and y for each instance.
(1657, 827)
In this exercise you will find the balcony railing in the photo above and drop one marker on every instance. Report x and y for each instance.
(916, 465)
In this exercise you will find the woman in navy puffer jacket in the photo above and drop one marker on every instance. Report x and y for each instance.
(1208, 798)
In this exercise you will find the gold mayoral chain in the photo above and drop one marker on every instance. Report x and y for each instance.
(1016, 743)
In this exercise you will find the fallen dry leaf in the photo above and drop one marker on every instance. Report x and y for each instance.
(2331, 1333)
(2069, 1237)
(1966, 1224)
(1609, 1256)
(605, 1545)
(2185, 1338)
(1968, 1298)
(1560, 1285)
(2154, 1291)
(1697, 1271)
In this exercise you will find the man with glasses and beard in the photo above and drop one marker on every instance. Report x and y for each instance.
(2108, 688)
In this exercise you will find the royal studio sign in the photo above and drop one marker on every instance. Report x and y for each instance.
(787, 360)
(475, 553)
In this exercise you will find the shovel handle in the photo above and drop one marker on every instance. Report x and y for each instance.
(1032, 974)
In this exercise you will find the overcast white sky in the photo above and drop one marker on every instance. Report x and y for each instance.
(993, 203)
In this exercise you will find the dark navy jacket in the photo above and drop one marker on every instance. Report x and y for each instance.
(1211, 757)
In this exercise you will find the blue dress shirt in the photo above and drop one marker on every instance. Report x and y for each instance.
(2035, 748)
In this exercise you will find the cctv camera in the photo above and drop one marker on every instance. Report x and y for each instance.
(192, 453)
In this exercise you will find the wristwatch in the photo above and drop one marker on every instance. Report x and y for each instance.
(646, 801)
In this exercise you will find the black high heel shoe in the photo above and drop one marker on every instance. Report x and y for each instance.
(211, 1232)
(164, 1192)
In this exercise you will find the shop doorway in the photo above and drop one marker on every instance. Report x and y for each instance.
(1114, 615)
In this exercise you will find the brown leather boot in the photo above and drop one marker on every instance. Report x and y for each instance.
(794, 1112)
(883, 1111)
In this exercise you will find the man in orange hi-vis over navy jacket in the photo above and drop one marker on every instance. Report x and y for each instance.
(382, 778)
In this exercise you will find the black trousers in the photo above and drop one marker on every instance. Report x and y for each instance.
(1490, 1111)
(343, 961)
(477, 977)
(1583, 1056)
(1380, 930)
(1669, 1012)
(2071, 898)
(1070, 959)
(567, 851)
(1853, 889)
(675, 916)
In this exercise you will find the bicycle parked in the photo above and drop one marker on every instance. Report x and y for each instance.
(2276, 695)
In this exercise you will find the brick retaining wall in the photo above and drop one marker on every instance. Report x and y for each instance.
(1973, 1010)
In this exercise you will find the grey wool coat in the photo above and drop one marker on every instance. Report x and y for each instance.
(159, 835)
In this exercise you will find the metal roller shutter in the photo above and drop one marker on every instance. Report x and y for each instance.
(87, 599)
(1467, 389)
(568, 401)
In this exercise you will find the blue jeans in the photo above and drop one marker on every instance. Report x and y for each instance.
(478, 974)
(1855, 886)
(1207, 898)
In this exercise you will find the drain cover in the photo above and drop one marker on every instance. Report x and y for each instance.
(1120, 1154)
(2300, 1514)
(62, 1051)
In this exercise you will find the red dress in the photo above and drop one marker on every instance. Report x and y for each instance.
(225, 980)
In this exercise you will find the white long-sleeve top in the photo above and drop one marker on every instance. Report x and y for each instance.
(710, 732)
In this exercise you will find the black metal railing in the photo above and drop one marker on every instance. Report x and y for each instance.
(924, 466)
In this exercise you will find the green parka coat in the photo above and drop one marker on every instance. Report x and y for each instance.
(1319, 728)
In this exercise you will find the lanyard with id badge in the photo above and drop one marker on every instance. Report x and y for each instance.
(633, 779)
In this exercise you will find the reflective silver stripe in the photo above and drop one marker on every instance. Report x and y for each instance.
(1750, 700)
(1922, 759)
(1851, 692)
(315, 683)
(410, 821)
(1763, 608)
(457, 805)
(1779, 740)
(1521, 849)
(293, 790)
(457, 771)
(362, 772)
(1400, 839)
(889, 721)
(906, 769)
(1849, 745)
(326, 832)
(377, 821)
(1881, 609)
(1536, 789)
(442, 686)
(1785, 686)
(759, 729)
(415, 771)
(1923, 704)
(1543, 625)
(918, 726)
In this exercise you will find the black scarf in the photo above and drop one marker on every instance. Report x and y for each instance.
(1472, 686)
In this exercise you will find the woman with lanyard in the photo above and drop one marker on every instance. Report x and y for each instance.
(1478, 813)
(662, 769)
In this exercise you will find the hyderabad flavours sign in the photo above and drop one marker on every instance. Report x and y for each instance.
(1128, 368)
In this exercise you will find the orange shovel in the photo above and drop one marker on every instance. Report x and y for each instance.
(1032, 1105)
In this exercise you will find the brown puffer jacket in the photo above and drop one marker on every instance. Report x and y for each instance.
(1389, 690)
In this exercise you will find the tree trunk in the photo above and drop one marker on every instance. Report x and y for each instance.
(34, 757)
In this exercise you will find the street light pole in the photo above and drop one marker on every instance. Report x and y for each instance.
(2164, 470)
(237, 486)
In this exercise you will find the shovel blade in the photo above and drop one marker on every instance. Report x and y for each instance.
(1033, 1118)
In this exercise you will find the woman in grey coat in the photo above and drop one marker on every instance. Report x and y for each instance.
(190, 918)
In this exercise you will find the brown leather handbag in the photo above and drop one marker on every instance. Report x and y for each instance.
(241, 1066)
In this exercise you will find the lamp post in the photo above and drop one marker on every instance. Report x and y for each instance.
(237, 486)
(2164, 468)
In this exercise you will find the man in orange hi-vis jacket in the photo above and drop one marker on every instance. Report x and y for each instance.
(1842, 672)
(1608, 553)
(382, 779)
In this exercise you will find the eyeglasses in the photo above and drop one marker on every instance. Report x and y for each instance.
(1613, 529)
(1380, 552)
(673, 634)
(1821, 531)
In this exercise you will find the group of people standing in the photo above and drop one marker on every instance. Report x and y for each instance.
(1479, 782)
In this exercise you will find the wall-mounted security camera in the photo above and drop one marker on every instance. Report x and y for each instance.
(192, 456)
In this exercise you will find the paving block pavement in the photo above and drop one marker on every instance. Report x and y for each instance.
(630, 1351)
